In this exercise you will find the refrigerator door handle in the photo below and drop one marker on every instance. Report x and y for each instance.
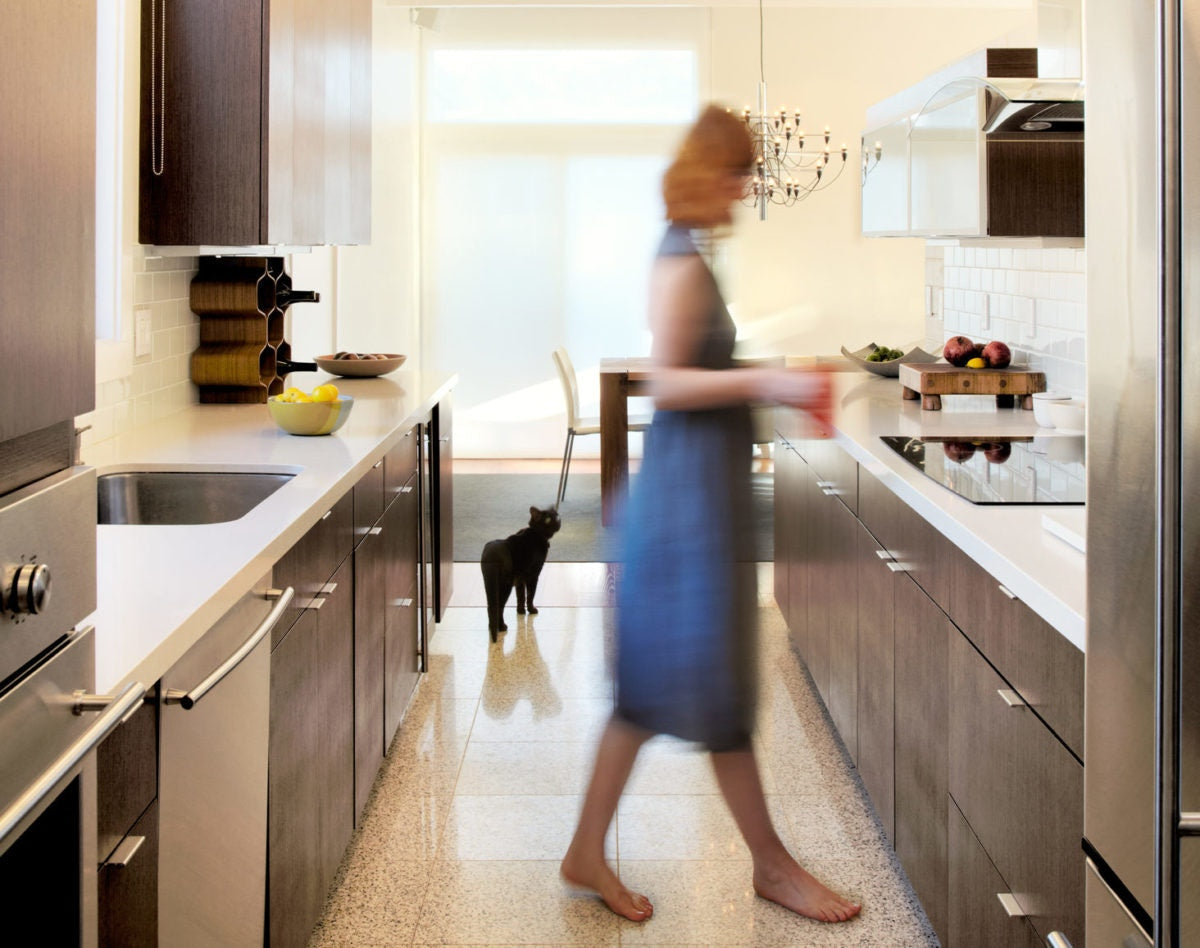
(1058, 940)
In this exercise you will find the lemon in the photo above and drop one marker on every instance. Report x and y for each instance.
(325, 393)
(301, 397)
(976, 363)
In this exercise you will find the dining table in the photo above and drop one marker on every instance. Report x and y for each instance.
(620, 379)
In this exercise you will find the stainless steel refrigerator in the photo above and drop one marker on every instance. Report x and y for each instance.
(1142, 743)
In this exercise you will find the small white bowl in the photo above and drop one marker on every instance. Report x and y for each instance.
(1041, 407)
(1069, 415)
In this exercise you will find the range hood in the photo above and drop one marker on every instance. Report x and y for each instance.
(1033, 105)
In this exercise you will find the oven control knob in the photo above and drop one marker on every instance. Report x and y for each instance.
(27, 588)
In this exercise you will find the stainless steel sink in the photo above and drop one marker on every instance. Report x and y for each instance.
(183, 497)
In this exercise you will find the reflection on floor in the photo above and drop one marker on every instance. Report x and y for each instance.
(460, 842)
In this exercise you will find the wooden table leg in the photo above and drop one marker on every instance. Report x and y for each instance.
(614, 444)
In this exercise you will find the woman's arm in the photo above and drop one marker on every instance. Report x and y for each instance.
(679, 302)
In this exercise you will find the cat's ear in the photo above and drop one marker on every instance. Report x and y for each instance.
(533, 511)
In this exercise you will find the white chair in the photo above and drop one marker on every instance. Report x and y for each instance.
(575, 424)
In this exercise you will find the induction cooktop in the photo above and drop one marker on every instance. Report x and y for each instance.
(1045, 469)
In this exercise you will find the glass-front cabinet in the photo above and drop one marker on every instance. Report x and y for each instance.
(948, 163)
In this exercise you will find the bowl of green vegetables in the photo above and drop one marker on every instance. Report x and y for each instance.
(886, 361)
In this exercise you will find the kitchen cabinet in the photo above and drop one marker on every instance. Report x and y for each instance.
(47, 243)
(369, 618)
(1021, 792)
(402, 592)
(976, 917)
(311, 763)
(127, 832)
(255, 123)
(941, 650)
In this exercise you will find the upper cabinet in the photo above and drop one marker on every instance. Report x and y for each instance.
(981, 149)
(255, 123)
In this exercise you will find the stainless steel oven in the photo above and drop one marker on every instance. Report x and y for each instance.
(50, 719)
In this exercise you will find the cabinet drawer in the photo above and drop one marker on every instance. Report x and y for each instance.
(836, 471)
(126, 777)
(368, 501)
(308, 565)
(1020, 790)
(400, 463)
(127, 883)
(1045, 668)
(977, 916)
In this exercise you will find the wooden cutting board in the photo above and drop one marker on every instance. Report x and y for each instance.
(930, 382)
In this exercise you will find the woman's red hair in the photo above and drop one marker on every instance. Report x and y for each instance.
(717, 144)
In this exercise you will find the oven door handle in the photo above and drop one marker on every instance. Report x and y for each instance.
(188, 699)
(114, 713)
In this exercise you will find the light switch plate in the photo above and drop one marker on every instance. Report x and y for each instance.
(142, 344)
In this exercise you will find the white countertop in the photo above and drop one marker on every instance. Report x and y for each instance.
(1008, 540)
(161, 587)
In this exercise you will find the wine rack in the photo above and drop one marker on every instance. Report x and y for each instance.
(241, 301)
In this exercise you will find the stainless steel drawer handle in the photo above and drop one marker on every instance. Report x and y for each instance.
(1011, 698)
(1009, 593)
(187, 699)
(405, 603)
(327, 589)
(114, 713)
(1057, 940)
(896, 567)
(125, 851)
(327, 514)
(883, 554)
(375, 531)
(316, 602)
(1011, 906)
(1189, 824)
(406, 489)
(825, 484)
(377, 465)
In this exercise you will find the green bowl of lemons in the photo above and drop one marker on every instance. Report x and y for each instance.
(319, 412)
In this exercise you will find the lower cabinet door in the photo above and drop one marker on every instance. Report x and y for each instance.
(335, 746)
(293, 842)
(402, 591)
(977, 917)
(922, 638)
(1020, 790)
(876, 681)
(369, 617)
(842, 551)
(128, 888)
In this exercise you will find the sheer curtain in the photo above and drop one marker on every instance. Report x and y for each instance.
(546, 132)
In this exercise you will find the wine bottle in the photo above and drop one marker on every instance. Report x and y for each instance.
(285, 296)
(285, 366)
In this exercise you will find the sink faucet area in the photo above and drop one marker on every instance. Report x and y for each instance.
(156, 498)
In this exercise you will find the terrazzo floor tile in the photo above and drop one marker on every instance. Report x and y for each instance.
(512, 827)
(681, 827)
(522, 902)
(576, 719)
(376, 901)
(506, 768)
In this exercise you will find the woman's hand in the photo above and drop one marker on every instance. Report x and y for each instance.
(808, 389)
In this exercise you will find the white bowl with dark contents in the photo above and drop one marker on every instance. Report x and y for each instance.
(889, 366)
(360, 365)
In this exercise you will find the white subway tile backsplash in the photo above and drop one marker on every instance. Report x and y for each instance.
(1033, 298)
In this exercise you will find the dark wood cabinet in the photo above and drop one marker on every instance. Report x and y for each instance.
(307, 566)
(128, 887)
(976, 917)
(876, 677)
(1042, 666)
(310, 809)
(127, 832)
(966, 741)
(255, 123)
(370, 565)
(1021, 791)
(922, 639)
(401, 646)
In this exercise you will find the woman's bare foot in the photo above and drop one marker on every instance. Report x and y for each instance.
(795, 889)
(599, 878)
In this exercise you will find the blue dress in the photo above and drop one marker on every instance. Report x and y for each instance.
(687, 597)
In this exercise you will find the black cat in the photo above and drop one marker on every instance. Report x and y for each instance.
(516, 560)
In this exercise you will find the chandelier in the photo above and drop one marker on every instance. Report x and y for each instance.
(784, 171)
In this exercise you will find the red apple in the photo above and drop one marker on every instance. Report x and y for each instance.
(996, 354)
(958, 451)
(998, 452)
(958, 350)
